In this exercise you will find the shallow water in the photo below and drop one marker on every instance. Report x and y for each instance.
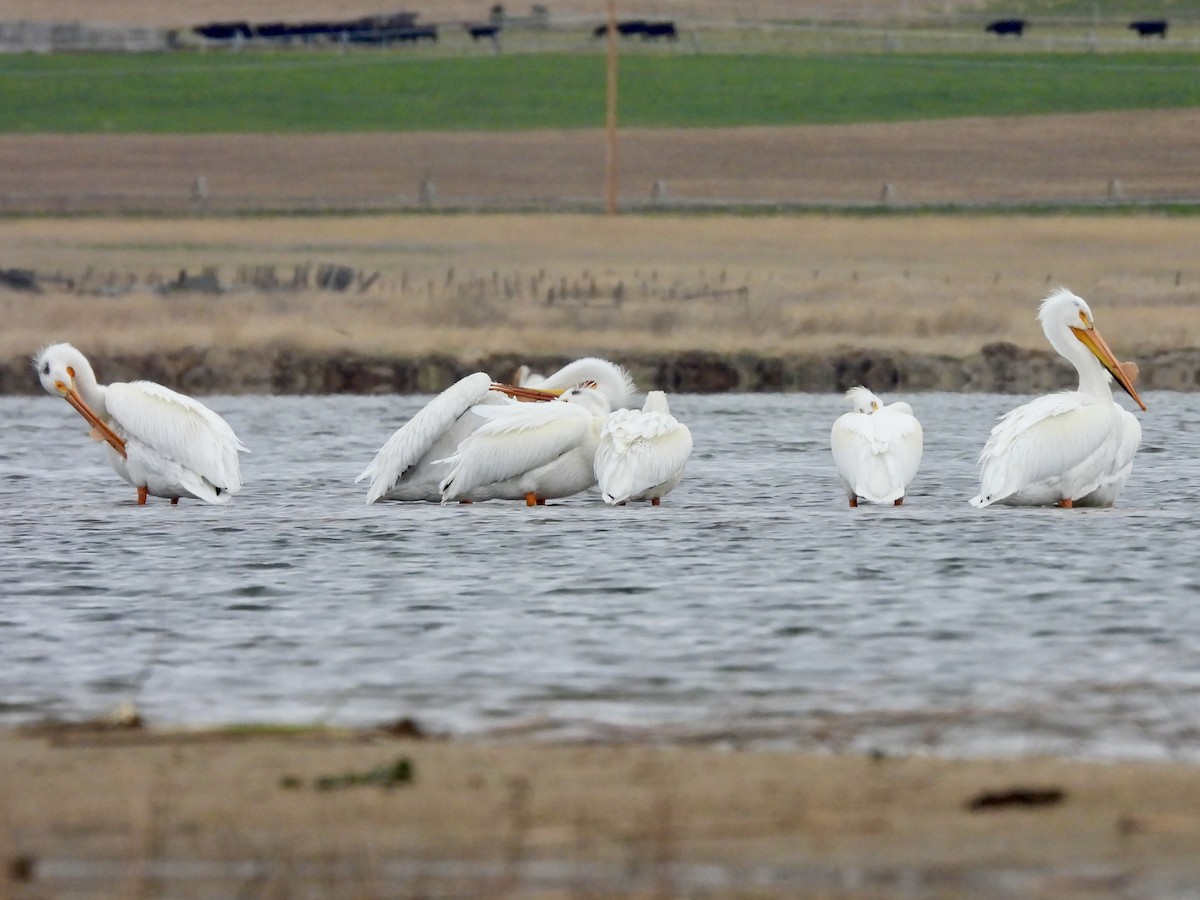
(753, 607)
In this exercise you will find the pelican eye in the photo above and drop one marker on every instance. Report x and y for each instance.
(46, 368)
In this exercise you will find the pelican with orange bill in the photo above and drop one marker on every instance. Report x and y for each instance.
(1072, 448)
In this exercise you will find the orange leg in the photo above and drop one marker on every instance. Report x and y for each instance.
(853, 502)
(541, 501)
(654, 501)
(174, 501)
(1066, 503)
(141, 495)
(899, 501)
(465, 502)
(531, 499)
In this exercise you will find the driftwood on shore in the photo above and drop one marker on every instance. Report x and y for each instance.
(997, 368)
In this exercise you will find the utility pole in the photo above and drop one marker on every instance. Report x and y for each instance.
(610, 125)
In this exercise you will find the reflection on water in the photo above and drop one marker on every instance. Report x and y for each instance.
(753, 607)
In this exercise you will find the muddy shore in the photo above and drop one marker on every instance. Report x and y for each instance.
(135, 812)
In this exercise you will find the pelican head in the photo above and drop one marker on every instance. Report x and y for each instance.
(65, 372)
(58, 366)
(1067, 319)
(862, 400)
(589, 397)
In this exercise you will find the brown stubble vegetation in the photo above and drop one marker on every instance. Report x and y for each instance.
(473, 285)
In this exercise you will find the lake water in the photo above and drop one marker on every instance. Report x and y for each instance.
(752, 608)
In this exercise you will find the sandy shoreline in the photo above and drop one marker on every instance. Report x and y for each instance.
(90, 812)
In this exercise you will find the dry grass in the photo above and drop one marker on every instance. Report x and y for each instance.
(475, 285)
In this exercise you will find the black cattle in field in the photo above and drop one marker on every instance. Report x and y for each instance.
(627, 28)
(1150, 27)
(223, 31)
(655, 30)
(478, 32)
(1002, 27)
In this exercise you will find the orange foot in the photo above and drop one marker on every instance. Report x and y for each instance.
(531, 499)
(1066, 503)
(142, 495)
(654, 501)
(853, 502)
(174, 501)
(899, 501)
(465, 502)
(541, 501)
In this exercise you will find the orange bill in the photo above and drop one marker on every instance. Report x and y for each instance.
(107, 434)
(535, 395)
(1091, 339)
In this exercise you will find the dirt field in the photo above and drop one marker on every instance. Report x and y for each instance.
(1038, 159)
(176, 13)
(312, 815)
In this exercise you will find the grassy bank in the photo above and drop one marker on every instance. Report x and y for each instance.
(329, 92)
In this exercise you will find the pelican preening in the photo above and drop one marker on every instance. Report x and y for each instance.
(411, 465)
(642, 453)
(876, 448)
(475, 441)
(1073, 448)
(163, 443)
(531, 451)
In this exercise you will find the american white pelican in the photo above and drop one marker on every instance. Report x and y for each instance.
(876, 448)
(534, 451)
(409, 466)
(642, 452)
(160, 441)
(1073, 448)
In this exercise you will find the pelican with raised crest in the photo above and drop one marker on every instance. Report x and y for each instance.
(1072, 448)
(162, 442)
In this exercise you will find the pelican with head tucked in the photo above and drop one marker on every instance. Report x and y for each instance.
(163, 443)
(410, 465)
(531, 451)
(876, 448)
(642, 452)
(1073, 448)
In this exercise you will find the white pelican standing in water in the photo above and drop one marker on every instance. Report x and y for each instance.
(160, 441)
(876, 448)
(410, 465)
(1073, 448)
(642, 452)
(531, 451)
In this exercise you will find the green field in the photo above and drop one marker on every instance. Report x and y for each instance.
(328, 92)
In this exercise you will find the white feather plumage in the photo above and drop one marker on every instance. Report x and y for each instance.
(876, 449)
(642, 452)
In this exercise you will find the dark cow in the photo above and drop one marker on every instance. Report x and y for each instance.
(1002, 27)
(224, 31)
(1150, 27)
(478, 32)
(627, 28)
(655, 30)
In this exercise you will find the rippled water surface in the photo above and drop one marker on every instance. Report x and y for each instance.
(752, 607)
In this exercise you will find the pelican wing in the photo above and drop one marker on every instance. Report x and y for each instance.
(638, 451)
(1043, 440)
(877, 454)
(514, 440)
(413, 440)
(180, 428)
(905, 439)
